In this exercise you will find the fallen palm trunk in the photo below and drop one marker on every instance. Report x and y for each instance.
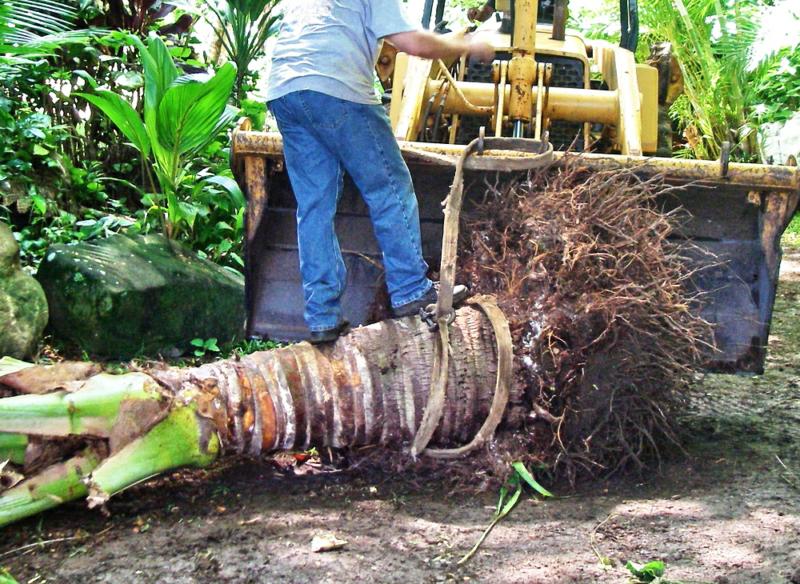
(604, 327)
(369, 388)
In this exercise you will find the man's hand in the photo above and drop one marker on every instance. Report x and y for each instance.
(481, 50)
(427, 45)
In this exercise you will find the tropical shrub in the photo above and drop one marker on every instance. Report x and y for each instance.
(727, 84)
(242, 28)
(182, 114)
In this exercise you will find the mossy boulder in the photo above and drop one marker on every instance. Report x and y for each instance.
(146, 295)
(23, 306)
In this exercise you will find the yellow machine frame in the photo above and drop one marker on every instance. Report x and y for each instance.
(629, 105)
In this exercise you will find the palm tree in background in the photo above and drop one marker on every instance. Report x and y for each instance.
(242, 28)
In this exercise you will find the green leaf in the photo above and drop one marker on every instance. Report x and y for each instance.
(503, 493)
(86, 76)
(647, 572)
(124, 117)
(197, 342)
(511, 503)
(186, 212)
(528, 478)
(230, 186)
(189, 114)
(159, 71)
(40, 150)
(39, 203)
(129, 80)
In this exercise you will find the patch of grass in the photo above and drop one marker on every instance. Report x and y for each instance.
(791, 237)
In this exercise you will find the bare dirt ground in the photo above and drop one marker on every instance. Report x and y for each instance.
(727, 512)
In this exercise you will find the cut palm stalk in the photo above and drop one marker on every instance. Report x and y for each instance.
(55, 485)
(12, 447)
(182, 439)
(368, 388)
(90, 411)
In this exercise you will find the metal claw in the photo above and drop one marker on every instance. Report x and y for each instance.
(428, 316)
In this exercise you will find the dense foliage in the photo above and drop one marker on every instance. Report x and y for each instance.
(72, 80)
(69, 171)
(739, 62)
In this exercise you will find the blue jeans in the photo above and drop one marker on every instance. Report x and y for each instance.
(323, 137)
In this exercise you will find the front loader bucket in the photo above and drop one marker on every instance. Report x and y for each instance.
(738, 214)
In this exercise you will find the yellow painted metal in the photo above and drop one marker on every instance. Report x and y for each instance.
(521, 77)
(618, 68)
(462, 69)
(417, 73)
(499, 111)
(757, 177)
(563, 103)
(647, 78)
(522, 68)
(572, 47)
(541, 93)
(525, 15)
(398, 87)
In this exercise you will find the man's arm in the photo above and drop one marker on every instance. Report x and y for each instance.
(427, 45)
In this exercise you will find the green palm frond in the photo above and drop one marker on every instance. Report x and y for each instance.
(28, 21)
(37, 28)
(712, 40)
(243, 27)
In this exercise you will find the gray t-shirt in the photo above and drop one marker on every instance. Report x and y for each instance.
(331, 46)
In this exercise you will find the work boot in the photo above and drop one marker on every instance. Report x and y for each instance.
(430, 299)
(329, 335)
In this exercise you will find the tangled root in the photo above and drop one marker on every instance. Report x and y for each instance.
(599, 298)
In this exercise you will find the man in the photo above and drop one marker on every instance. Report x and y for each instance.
(321, 93)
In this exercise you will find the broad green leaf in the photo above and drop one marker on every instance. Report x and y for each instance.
(86, 76)
(124, 117)
(231, 186)
(187, 212)
(646, 572)
(503, 493)
(129, 80)
(159, 73)
(189, 114)
(6, 577)
(511, 503)
(39, 203)
(528, 478)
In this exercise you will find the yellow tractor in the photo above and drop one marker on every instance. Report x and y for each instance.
(546, 84)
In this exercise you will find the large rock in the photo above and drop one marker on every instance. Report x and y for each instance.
(126, 296)
(23, 306)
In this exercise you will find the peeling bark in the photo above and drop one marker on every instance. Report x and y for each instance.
(368, 388)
